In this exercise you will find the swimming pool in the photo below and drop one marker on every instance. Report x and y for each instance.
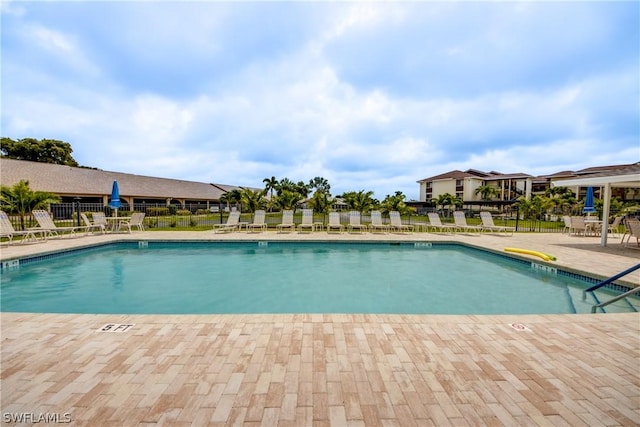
(283, 277)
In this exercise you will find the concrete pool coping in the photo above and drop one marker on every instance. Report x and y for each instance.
(335, 370)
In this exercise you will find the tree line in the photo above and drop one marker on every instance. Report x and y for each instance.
(281, 194)
(34, 150)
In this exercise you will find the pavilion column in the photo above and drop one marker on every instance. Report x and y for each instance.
(605, 214)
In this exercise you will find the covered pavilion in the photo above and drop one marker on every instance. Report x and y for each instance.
(624, 178)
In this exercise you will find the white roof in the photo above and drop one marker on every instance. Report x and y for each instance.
(627, 177)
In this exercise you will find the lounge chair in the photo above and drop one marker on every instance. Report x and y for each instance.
(92, 226)
(258, 223)
(613, 227)
(435, 224)
(567, 224)
(376, 223)
(632, 228)
(578, 226)
(7, 230)
(46, 225)
(136, 220)
(354, 223)
(488, 224)
(334, 222)
(287, 222)
(99, 218)
(396, 222)
(231, 225)
(307, 221)
(461, 223)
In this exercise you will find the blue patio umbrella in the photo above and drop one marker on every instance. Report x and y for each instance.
(588, 201)
(115, 197)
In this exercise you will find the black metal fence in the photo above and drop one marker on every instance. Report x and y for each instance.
(199, 215)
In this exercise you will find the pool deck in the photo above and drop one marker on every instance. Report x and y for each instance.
(329, 370)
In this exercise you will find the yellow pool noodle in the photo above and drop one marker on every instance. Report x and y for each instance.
(544, 256)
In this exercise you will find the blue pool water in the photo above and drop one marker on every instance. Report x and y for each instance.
(248, 277)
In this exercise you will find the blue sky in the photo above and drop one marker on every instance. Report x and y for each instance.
(371, 96)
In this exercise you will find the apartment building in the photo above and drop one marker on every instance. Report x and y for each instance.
(511, 186)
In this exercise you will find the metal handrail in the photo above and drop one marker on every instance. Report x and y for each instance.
(609, 280)
(619, 297)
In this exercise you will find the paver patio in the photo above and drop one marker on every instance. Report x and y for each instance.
(329, 370)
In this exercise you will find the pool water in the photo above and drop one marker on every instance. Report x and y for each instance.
(280, 277)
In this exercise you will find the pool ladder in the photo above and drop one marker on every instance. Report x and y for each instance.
(610, 280)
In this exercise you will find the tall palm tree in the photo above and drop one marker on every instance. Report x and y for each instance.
(270, 184)
(20, 199)
(319, 183)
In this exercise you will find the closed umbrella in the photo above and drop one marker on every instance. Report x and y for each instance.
(115, 197)
(588, 202)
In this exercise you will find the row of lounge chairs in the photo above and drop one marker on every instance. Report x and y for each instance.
(377, 224)
(47, 228)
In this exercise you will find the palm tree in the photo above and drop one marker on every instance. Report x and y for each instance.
(395, 203)
(361, 201)
(447, 201)
(319, 183)
(320, 202)
(563, 199)
(270, 184)
(252, 200)
(22, 200)
(231, 197)
(487, 192)
(288, 199)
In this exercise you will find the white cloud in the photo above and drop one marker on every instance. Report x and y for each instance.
(370, 96)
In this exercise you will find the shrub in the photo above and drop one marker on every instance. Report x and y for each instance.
(183, 212)
(157, 211)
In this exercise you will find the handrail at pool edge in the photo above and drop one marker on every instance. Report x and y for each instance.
(609, 280)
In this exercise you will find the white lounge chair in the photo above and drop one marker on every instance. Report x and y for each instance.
(287, 222)
(435, 224)
(334, 223)
(578, 226)
(92, 226)
(396, 222)
(613, 227)
(488, 224)
(354, 223)
(376, 223)
(47, 225)
(307, 221)
(231, 225)
(99, 218)
(136, 221)
(632, 228)
(258, 223)
(7, 230)
(461, 223)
